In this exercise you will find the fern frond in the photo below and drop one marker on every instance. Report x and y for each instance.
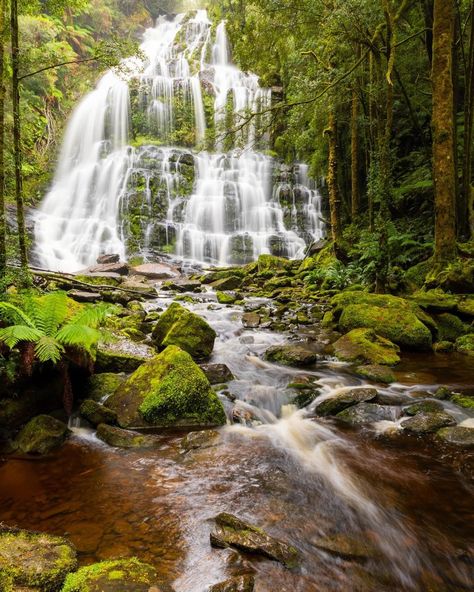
(13, 314)
(80, 336)
(48, 349)
(12, 335)
(50, 312)
(92, 315)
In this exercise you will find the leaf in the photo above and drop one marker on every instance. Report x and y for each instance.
(80, 336)
(48, 349)
(50, 311)
(13, 314)
(92, 316)
(12, 335)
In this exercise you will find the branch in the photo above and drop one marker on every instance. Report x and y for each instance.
(58, 66)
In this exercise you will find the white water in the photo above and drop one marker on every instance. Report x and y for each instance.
(186, 93)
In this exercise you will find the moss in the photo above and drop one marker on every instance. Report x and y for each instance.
(269, 264)
(226, 297)
(98, 280)
(364, 345)
(376, 373)
(232, 282)
(457, 277)
(128, 574)
(101, 386)
(328, 319)
(96, 413)
(40, 435)
(465, 344)
(435, 300)
(464, 401)
(415, 276)
(114, 436)
(450, 327)
(466, 307)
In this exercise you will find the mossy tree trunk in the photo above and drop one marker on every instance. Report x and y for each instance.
(355, 197)
(443, 131)
(334, 198)
(464, 230)
(3, 249)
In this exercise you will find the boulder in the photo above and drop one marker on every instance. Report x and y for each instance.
(458, 436)
(35, 561)
(424, 407)
(250, 320)
(243, 583)
(121, 355)
(226, 297)
(181, 327)
(458, 277)
(368, 413)
(450, 327)
(83, 296)
(364, 345)
(100, 386)
(182, 285)
(232, 282)
(426, 423)
(114, 436)
(465, 345)
(231, 531)
(41, 435)
(291, 355)
(156, 271)
(376, 373)
(96, 413)
(464, 400)
(119, 267)
(435, 300)
(268, 265)
(122, 575)
(104, 259)
(345, 398)
(141, 287)
(217, 373)
(465, 307)
(168, 390)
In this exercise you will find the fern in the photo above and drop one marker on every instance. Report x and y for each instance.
(12, 314)
(50, 312)
(48, 349)
(80, 336)
(12, 335)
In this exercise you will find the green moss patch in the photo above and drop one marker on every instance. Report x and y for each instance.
(364, 345)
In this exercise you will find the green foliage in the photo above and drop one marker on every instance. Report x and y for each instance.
(335, 276)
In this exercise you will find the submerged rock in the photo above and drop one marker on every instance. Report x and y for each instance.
(291, 355)
(458, 436)
(41, 435)
(367, 413)
(217, 373)
(202, 439)
(96, 413)
(181, 327)
(231, 531)
(121, 438)
(244, 583)
(364, 345)
(344, 399)
(345, 546)
(34, 561)
(425, 423)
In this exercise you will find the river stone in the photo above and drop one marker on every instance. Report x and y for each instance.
(41, 435)
(458, 435)
(119, 267)
(231, 531)
(424, 407)
(182, 285)
(244, 583)
(364, 345)
(291, 355)
(250, 320)
(227, 297)
(217, 373)
(114, 436)
(232, 282)
(122, 355)
(201, 439)
(376, 373)
(100, 386)
(425, 423)
(35, 561)
(156, 271)
(122, 575)
(181, 327)
(345, 398)
(83, 296)
(465, 344)
(168, 390)
(96, 413)
(345, 546)
(367, 413)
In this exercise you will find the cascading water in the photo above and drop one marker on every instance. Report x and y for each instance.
(159, 161)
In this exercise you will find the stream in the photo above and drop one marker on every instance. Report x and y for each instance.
(403, 516)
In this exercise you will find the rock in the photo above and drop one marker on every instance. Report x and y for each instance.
(231, 531)
(121, 356)
(291, 355)
(443, 347)
(435, 300)
(101, 386)
(466, 307)
(156, 271)
(119, 267)
(96, 413)
(250, 320)
(226, 297)
(450, 327)
(316, 247)
(114, 436)
(181, 327)
(104, 259)
(201, 439)
(82, 296)
(182, 285)
(465, 345)
(268, 265)
(376, 373)
(425, 423)
(168, 390)
(364, 345)
(32, 401)
(345, 546)
(458, 277)
(367, 413)
(232, 282)
(442, 393)
(41, 435)
(345, 398)
(465, 401)
(424, 407)
(244, 583)
(458, 436)
(217, 373)
(96, 279)
(122, 575)
(34, 561)
(142, 288)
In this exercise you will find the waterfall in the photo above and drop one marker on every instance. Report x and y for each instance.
(159, 160)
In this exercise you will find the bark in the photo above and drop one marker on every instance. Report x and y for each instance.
(355, 197)
(443, 131)
(334, 198)
(427, 6)
(17, 141)
(3, 249)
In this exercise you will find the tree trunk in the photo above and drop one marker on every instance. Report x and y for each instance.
(355, 198)
(443, 131)
(3, 249)
(427, 6)
(17, 142)
(334, 199)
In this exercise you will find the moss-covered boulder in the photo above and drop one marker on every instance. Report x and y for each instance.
(450, 327)
(458, 277)
(232, 282)
(35, 561)
(465, 344)
(435, 300)
(466, 307)
(169, 390)
(41, 435)
(123, 575)
(463, 400)
(226, 297)
(121, 438)
(96, 413)
(345, 398)
(291, 355)
(181, 327)
(426, 423)
(364, 345)
(376, 373)
(231, 531)
(100, 386)
(424, 407)
(268, 265)
(121, 356)
(457, 436)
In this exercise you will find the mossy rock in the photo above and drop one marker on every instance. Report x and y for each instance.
(457, 277)
(270, 264)
(364, 345)
(114, 436)
(465, 344)
(428, 422)
(35, 560)
(123, 575)
(346, 546)
(457, 436)
(466, 307)
(226, 297)
(450, 327)
(121, 356)
(415, 276)
(435, 300)
(100, 386)
(181, 327)
(443, 347)
(232, 282)
(366, 413)
(96, 413)
(291, 355)
(169, 390)
(376, 373)
(424, 407)
(345, 398)
(41, 435)
(464, 401)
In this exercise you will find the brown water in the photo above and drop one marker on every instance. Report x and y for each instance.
(302, 479)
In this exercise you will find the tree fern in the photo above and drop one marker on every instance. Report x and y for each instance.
(80, 336)
(48, 349)
(13, 314)
(14, 334)
(50, 312)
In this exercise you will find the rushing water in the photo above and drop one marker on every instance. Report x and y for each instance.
(116, 189)
(301, 478)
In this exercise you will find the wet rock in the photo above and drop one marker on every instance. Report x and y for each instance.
(345, 398)
(156, 271)
(226, 297)
(425, 423)
(367, 413)
(244, 583)
(100, 386)
(96, 413)
(121, 356)
(201, 439)
(376, 373)
(364, 345)
(83, 296)
(291, 355)
(458, 436)
(465, 401)
(465, 345)
(181, 327)
(424, 407)
(114, 436)
(233, 282)
(243, 414)
(41, 435)
(250, 320)
(231, 531)
(443, 392)
(345, 546)
(305, 397)
(182, 285)
(104, 259)
(391, 398)
(34, 561)
(443, 347)
(119, 267)
(168, 390)
(268, 265)
(123, 575)
(217, 373)
(142, 288)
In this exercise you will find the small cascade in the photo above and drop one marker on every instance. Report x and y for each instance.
(158, 160)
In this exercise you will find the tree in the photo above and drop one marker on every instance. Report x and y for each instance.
(3, 246)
